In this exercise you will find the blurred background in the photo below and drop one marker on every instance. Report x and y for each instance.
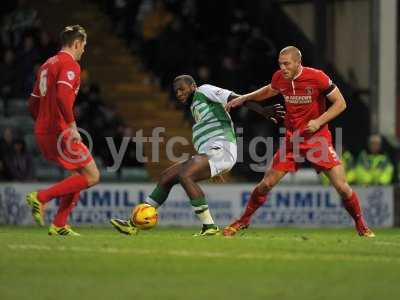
(135, 48)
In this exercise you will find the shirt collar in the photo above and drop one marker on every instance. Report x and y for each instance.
(300, 72)
(62, 51)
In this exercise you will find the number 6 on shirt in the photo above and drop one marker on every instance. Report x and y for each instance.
(43, 82)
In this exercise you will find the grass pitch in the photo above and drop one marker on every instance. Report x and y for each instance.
(169, 263)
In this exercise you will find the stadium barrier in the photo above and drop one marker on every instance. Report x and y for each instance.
(309, 206)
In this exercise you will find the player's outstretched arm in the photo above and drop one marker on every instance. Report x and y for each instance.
(272, 112)
(258, 95)
(337, 107)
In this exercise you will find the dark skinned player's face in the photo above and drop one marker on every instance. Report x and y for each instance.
(183, 90)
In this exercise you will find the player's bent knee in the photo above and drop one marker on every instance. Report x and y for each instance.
(262, 189)
(93, 178)
(265, 185)
(167, 180)
(183, 176)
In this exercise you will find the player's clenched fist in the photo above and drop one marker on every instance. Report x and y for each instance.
(313, 126)
(76, 137)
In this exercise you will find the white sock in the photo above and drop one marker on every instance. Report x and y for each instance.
(151, 202)
(203, 213)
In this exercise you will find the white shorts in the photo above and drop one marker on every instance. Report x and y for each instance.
(222, 156)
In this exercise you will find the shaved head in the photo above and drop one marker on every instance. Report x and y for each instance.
(293, 51)
(290, 62)
(187, 78)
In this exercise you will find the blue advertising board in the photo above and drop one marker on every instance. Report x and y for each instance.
(286, 206)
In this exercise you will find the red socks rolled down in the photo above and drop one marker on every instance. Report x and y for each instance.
(352, 205)
(256, 200)
(67, 203)
(69, 185)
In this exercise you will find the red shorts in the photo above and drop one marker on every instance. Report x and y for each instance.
(317, 149)
(67, 154)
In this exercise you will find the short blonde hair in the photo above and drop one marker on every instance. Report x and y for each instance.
(294, 51)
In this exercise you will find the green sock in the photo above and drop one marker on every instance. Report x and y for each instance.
(208, 226)
(201, 210)
(157, 197)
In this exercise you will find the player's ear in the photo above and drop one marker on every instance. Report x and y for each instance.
(76, 44)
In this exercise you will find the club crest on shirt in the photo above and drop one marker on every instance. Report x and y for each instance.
(308, 90)
(70, 75)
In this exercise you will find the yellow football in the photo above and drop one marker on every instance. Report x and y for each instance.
(144, 216)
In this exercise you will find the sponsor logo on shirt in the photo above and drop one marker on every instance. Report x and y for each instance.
(293, 99)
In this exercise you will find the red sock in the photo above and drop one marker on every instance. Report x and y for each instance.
(256, 200)
(352, 205)
(67, 203)
(69, 185)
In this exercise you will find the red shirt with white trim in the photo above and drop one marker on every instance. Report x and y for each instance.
(59, 75)
(305, 96)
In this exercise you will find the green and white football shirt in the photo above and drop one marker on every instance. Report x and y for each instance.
(212, 122)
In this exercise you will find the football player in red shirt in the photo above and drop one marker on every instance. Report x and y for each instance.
(307, 135)
(51, 106)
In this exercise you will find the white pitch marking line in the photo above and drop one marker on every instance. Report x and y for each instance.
(387, 243)
(183, 253)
